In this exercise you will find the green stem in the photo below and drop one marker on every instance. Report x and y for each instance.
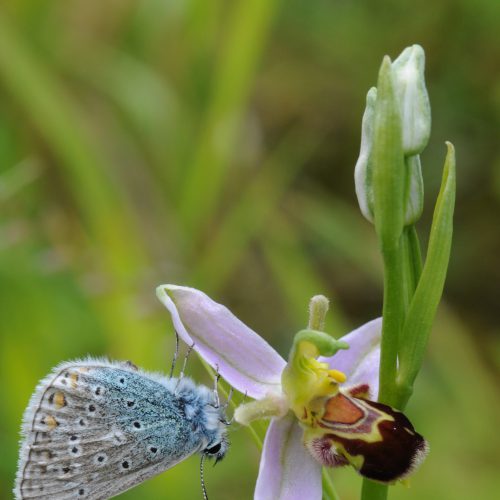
(415, 255)
(373, 491)
(393, 318)
(408, 281)
(329, 491)
(412, 263)
(412, 269)
(395, 287)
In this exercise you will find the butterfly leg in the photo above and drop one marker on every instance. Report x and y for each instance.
(181, 375)
(176, 354)
(216, 387)
(229, 396)
(226, 405)
(129, 364)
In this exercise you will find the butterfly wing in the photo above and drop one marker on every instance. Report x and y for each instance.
(94, 429)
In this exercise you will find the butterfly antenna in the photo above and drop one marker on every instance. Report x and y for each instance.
(203, 489)
(176, 354)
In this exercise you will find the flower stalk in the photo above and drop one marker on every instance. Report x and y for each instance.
(388, 190)
(389, 186)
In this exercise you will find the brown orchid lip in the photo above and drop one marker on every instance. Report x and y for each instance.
(379, 441)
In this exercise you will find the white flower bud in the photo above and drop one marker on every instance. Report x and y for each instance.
(415, 108)
(362, 170)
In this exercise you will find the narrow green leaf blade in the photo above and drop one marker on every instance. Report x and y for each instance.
(430, 287)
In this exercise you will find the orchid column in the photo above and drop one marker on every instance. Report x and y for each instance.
(389, 186)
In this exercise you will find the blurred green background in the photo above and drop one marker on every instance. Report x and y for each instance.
(212, 144)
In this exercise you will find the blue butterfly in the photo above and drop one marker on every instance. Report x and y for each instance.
(95, 428)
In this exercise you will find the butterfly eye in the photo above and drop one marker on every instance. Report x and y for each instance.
(214, 450)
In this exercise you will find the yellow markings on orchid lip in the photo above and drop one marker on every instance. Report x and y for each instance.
(337, 375)
(306, 379)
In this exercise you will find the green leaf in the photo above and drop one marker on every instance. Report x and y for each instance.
(423, 307)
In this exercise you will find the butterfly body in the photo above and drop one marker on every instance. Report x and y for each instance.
(95, 428)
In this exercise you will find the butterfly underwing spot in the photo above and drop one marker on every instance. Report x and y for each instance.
(125, 464)
(57, 399)
(75, 451)
(44, 455)
(100, 459)
(153, 452)
(99, 392)
(69, 378)
(50, 422)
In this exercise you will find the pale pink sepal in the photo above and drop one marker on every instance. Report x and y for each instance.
(242, 356)
(287, 470)
(362, 360)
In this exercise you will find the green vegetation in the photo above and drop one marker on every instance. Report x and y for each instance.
(213, 144)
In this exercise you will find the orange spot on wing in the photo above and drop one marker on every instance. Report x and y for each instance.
(59, 400)
(51, 422)
(341, 409)
(74, 379)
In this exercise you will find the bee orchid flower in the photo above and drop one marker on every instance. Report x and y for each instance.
(321, 402)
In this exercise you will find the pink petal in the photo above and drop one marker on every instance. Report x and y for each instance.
(287, 470)
(362, 360)
(243, 358)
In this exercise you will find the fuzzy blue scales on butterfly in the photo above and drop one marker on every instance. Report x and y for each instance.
(96, 428)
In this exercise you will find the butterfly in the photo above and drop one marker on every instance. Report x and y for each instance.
(95, 428)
